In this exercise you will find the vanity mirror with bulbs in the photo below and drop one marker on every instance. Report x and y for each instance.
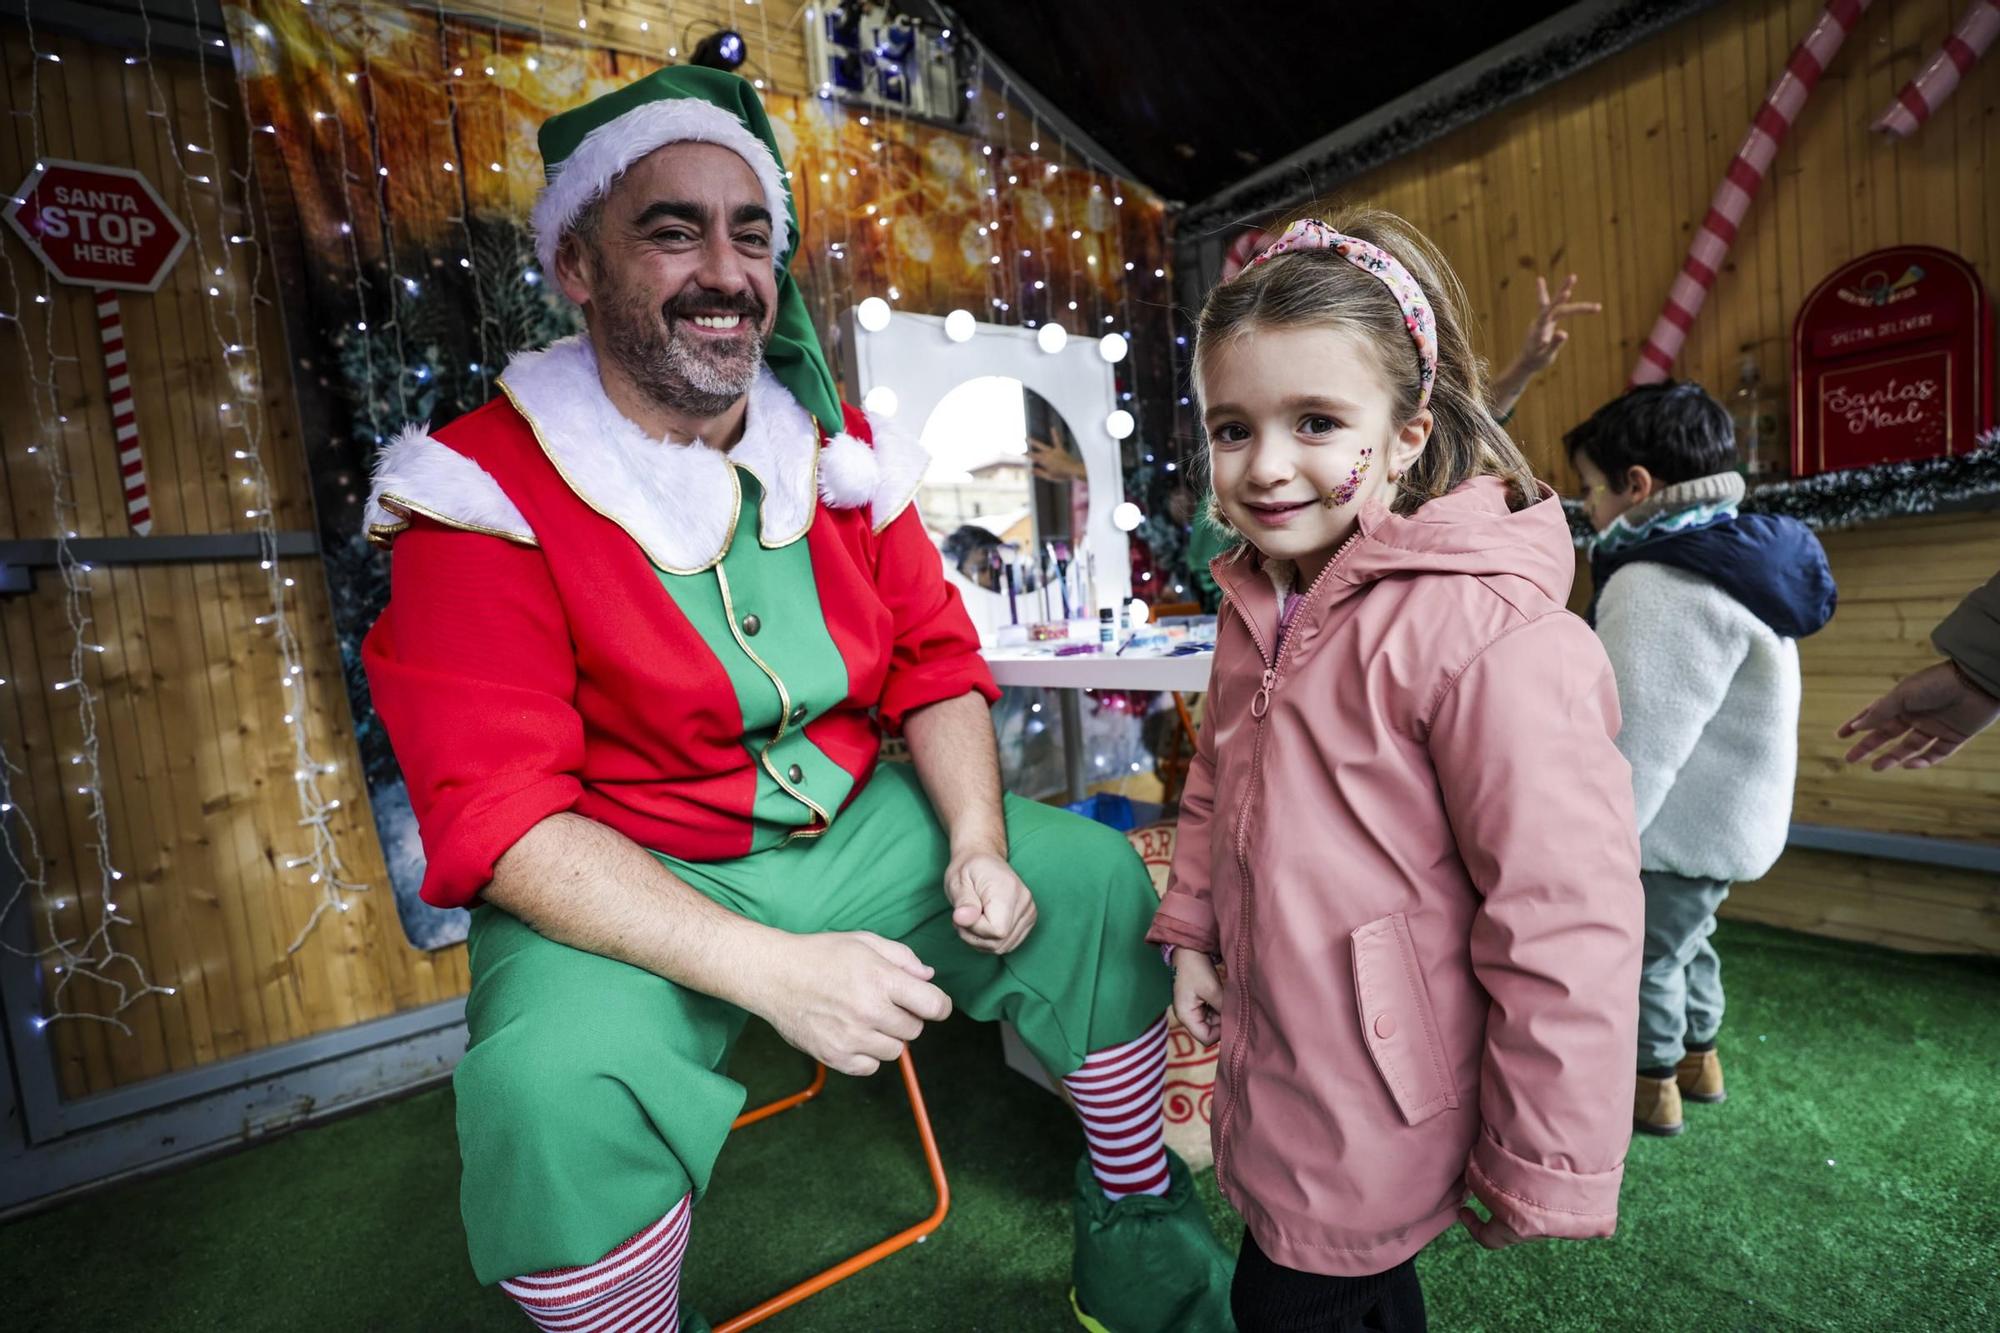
(1023, 428)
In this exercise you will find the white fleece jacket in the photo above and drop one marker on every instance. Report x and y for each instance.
(1710, 696)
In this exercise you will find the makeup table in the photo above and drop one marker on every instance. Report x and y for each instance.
(1187, 673)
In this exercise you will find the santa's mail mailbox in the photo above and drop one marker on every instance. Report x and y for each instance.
(1892, 359)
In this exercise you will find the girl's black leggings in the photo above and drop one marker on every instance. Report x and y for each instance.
(1269, 1298)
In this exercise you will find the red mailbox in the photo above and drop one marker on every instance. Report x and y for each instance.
(1892, 359)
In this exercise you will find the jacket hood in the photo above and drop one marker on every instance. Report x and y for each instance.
(1470, 531)
(1773, 565)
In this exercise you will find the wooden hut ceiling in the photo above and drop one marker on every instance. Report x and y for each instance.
(1193, 98)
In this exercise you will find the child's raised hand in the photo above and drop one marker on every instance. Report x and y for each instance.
(1198, 995)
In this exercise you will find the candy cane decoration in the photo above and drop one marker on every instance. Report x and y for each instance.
(1247, 246)
(111, 330)
(1739, 184)
(1925, 93)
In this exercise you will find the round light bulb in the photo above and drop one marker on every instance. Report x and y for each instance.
(882, 401)
(874, 314)
(1126, 516)
(1052, 337)
(1119, 424)
(959, 326)
(1112, 347)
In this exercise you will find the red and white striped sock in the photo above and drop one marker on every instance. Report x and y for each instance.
(634, 1289)
(1119, 1093)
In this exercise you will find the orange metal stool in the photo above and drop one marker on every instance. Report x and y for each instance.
(847, 1268)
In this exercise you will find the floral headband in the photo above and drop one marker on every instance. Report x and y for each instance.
(1312, 234)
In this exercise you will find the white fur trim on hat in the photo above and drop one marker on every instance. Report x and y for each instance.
(609, 149)
(847, 472)
(416, 475)
(884, 476)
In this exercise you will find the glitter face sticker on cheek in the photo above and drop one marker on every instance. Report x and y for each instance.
(1344, 493)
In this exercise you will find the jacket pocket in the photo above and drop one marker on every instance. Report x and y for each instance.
(1397, 1024)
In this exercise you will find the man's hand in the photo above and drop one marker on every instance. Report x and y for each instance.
(991, 908)
(1933, 711)
(1198, 995)
(851, 1000)
(1489, 1231)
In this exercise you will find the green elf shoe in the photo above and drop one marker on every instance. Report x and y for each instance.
(692, 1322)
(1147, 1263)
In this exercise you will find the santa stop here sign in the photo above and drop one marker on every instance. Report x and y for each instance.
(104, 228)
(96, 226)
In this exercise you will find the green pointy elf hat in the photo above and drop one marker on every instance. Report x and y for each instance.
(586, 149)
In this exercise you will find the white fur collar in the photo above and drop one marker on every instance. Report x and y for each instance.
(680, 502)
(416, 476)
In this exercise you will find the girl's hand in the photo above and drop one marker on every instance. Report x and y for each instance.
(1198, 995)
(1489, 1231)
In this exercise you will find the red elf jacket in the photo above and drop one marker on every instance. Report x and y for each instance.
(532, 661)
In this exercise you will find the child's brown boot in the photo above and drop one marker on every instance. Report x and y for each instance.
(1656, 1107)
(1699, 1075)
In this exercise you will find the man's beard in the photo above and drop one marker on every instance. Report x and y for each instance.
(685, 372)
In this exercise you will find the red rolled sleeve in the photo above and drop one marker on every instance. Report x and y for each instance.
(936, 651)
(474, 679)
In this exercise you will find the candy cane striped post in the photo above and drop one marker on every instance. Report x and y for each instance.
(1739, 185)
(1924, 94)
(124, 421)
(1247, 246)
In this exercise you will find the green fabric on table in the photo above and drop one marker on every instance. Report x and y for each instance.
(591, 1097)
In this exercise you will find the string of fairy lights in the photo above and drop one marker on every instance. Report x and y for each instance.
(81, 927)
(242, 423)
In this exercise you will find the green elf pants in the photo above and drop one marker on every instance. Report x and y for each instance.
(593, 1095)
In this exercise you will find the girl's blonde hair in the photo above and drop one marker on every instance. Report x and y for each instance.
(1319, 289)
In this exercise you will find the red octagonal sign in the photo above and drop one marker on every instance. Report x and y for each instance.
(97, 226)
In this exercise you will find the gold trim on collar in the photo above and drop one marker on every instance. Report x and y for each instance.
(384, 533)
(901, 505)
(735, 486)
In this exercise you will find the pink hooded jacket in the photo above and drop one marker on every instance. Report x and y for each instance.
(1410, 837)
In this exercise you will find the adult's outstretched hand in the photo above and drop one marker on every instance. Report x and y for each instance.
(1927, 715)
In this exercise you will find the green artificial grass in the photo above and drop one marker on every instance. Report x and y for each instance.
(1850, 1182)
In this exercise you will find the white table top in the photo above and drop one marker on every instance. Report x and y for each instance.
(1099, 671)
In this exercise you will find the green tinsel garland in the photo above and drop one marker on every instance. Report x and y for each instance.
(1862, 495)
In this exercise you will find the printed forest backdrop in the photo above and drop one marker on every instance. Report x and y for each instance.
(398, 161)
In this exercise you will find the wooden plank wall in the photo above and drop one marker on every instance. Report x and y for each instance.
(1606, 174)
(197, 762)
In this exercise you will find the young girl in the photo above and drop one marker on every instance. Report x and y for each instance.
(1406, 894)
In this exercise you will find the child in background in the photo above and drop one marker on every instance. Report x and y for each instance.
(1700, 609)
(1408, 835)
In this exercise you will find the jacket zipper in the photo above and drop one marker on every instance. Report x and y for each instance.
(1260, 708)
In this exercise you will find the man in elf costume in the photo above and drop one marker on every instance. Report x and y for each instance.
(651, 609)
